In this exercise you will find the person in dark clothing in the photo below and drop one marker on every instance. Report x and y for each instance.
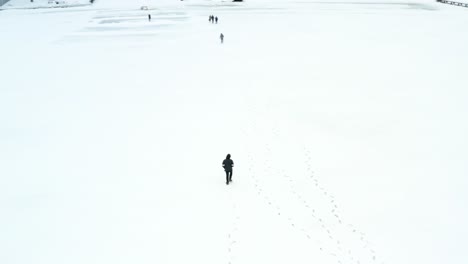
(228, 163)
(221, 37)
(149, 17)
(216, 20)
(209, 19)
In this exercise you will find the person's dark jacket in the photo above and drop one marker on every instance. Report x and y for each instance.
(228, 163)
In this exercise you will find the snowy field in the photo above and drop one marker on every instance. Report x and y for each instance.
(346, 121)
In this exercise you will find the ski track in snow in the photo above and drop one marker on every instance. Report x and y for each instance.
(232, 239)
(341, 241)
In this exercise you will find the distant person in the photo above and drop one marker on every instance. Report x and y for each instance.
(212, 19)
(149, 17)
(216, 20)
(228, 163)
(209, 19)
(222, 38)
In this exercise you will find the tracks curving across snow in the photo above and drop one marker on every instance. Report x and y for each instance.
(304, 204)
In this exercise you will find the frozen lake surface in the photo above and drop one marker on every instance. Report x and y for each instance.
(346, 121)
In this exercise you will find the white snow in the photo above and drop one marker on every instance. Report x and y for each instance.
(346, 122)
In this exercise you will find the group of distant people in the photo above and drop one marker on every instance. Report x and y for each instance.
(213, 19)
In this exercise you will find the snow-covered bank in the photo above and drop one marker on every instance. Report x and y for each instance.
(2, 2)
(345, 122)
(28, 4)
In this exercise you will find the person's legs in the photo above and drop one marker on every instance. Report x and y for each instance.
(230, 176)
(227, 177)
